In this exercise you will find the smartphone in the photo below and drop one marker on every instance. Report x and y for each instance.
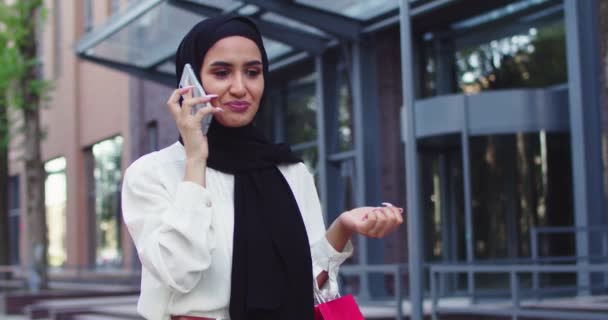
(189, 79)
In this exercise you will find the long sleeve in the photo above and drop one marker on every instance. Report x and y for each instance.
(324, 256)
(173, 233)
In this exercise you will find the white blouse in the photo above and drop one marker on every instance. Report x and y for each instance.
(183, 234)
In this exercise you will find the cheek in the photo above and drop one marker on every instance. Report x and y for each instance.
(211, 85)
(257, 89)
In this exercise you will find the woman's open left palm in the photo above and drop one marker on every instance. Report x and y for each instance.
(374, 222)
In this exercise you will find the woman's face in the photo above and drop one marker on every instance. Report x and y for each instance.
(232, 69)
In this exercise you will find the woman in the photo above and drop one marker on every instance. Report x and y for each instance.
(229, 225)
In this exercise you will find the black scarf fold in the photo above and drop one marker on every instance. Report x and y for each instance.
(271, 263)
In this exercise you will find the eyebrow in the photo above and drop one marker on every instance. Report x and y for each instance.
(227, 64)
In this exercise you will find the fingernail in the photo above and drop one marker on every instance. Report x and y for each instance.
(217, 109)
(400, 210)
(211, 96)
(387, 204)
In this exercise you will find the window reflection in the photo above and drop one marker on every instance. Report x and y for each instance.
(107, 177)
(345, 113)
(301, 112)
(55, 189)
(359, 9)
(535, 57)
(518, 182)
(310, 157)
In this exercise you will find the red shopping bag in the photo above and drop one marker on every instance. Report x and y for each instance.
(342, 308)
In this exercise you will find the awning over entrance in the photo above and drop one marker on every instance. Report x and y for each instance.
(142, 39)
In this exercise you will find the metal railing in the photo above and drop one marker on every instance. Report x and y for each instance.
(514, 271)
(11, 277)
(397, 270)
(534, 247)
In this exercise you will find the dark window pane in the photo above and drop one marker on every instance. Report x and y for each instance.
(88, 15)
(301, 111)
(310, 157)
(152, 136)
(518, 182)
(14, 219)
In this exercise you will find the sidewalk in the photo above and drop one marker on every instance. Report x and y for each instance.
(7, 317)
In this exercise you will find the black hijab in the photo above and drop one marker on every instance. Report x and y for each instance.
(271, 263)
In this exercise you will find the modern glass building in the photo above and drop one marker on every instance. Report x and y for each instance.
(487, 119)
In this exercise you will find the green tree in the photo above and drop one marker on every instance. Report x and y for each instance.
(23, 90)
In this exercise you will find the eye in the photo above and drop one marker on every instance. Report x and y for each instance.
(252, 73)
(221, 73)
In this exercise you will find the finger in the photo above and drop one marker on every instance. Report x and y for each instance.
(202, 112)
(396, 220)
(189, 103)
(173, 102)
(381, 223)
(188, 92)
(399, 216)
(396, 217)
(177, 93)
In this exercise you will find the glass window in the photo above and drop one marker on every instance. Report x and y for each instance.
(520, 181)
(507, 10)
(220, 4)
(442, 201)
(14, 205)
(58, 44)
(531, 58)
(301, 111)
(345, 113)
(107, 178)
(358, 9)
(152, 133)
(279, 19)
(301, 119)
(88, 15)
(114, 6)
(55, 189)
(154, 36)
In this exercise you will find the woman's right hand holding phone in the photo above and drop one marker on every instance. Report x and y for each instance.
(190, 129)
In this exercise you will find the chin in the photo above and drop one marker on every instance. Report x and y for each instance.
(233, 121)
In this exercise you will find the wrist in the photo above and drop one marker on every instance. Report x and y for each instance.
(343, 227)
(195, 171)
(338, 234)
(196, 161)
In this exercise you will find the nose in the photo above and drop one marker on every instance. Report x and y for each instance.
(237, 87)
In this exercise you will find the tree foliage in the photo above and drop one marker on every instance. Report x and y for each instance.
(23, 89)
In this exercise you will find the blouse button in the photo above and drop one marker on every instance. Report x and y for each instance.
(208, 204)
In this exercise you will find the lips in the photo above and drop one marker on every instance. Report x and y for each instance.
(238, 106)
